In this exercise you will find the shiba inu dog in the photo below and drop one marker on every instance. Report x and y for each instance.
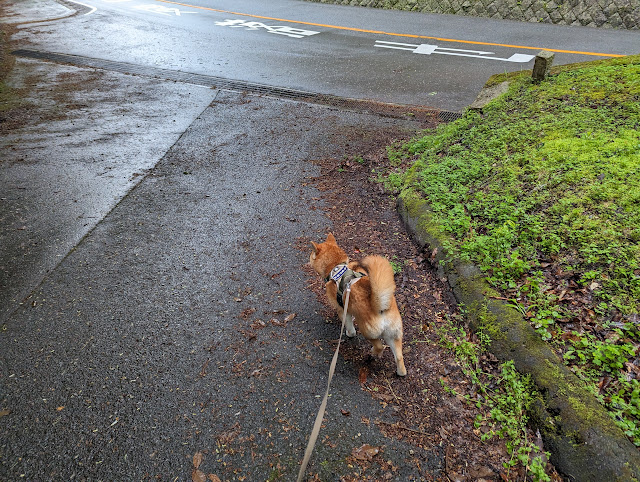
(372, 303)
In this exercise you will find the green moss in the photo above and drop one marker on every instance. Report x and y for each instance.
(487, 322)
(506, 77)
(417, 211)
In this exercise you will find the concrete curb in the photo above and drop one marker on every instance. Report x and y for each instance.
(489, 93)
(41, 12)
(585, 443)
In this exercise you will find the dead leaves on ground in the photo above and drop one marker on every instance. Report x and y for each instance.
(198, 475)
(365, 452)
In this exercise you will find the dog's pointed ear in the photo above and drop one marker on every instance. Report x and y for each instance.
(314, 254)
(331, 239)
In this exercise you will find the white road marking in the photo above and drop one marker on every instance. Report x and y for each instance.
(92, 9)
(277, 29)
(428, 49)
(161, 10)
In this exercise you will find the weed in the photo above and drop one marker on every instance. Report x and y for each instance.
(504, 400)
(395, 265)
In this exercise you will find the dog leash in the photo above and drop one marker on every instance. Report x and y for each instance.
(316, 426)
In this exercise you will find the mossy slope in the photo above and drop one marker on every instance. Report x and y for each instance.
(543, 182)
(584, 441)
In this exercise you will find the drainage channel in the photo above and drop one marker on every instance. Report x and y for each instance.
(404, 111)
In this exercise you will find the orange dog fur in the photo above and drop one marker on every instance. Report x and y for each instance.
(372, 303)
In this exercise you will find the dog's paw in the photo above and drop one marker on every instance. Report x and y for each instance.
(351, 332)
(401, 371)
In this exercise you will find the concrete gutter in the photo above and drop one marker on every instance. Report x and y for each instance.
(585, 443)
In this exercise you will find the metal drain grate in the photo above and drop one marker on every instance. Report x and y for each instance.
(404, 111)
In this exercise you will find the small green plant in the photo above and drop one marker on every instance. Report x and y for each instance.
(396, 265)
(505, 399)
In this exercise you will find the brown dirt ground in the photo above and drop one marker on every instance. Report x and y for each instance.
(365, 221)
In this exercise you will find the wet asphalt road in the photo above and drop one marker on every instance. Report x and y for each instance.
(138, 350)
(341, 53)
(92, 137)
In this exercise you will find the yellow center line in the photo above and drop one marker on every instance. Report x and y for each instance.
(381, 32)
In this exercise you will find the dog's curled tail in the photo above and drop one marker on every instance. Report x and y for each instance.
(383, 285)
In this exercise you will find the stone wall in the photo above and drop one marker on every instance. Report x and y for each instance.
(621, 14)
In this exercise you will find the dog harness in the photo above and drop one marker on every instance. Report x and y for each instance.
(344, 278)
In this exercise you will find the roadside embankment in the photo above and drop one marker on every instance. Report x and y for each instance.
(532, 205)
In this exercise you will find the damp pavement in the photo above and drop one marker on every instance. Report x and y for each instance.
(89, 137)
(153, 304)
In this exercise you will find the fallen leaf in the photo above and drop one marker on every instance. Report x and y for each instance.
(197, 459)
(214, 478)
(198, 476)
(482, 472)
(385, 397)
(362, 376)
(4, 412)
(365, 452)
(604, 383)
(258, 324)
(344, 412)
(453, 477)
(569, 336)
(290, 318)
(247, 312)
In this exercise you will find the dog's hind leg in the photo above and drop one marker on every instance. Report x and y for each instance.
(377, 347)
(396, 348)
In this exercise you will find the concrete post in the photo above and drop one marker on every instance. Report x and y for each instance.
(542, 65)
